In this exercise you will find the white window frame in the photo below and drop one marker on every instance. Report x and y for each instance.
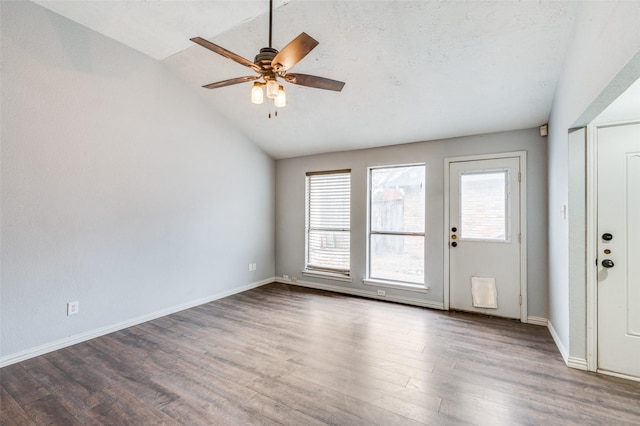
(388, 283)
(325, 271)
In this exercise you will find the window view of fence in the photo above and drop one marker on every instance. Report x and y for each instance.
(397, 223)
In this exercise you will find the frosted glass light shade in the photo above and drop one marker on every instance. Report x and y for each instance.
(272, 89)
(257, 96)
(281, 98)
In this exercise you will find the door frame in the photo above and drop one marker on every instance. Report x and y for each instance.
(522, 155)
(592, 250)
(592, 246)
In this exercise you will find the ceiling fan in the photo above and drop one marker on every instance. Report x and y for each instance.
(271, 64)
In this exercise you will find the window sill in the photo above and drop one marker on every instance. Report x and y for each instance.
(419, 288)
(327, 276)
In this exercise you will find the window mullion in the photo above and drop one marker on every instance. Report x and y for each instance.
(409, 234)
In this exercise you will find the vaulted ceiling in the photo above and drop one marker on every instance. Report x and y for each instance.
(414, 70)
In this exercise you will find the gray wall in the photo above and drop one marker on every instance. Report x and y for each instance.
(607, 36)
(290, 174)
(121, 188)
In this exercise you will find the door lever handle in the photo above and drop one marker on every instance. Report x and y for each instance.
(608, 263)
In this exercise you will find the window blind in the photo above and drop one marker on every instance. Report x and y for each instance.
(328, 221)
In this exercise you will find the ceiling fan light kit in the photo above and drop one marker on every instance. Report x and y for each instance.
(270, 64)
(274, 91)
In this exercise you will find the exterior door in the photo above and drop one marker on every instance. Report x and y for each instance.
(484, 236)
(619, 249)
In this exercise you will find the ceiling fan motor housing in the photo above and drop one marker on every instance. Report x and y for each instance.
(263, 60)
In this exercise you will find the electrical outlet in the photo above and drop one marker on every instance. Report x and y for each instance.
(285, 277)
(382, 293)
(254, 266)
(250, 267)
(73, 308)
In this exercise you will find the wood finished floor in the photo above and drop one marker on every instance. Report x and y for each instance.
(281, 354)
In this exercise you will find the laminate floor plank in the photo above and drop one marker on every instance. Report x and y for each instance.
(79, 395)
(281, 354)
(185, 412)
(48, 411)
(122, 406)
(73, 368)
(219, 404)
(21, 385)
(400, 400)
(322, 404)
(11, 413)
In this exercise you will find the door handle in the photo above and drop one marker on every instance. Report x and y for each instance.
(608, 263)
(454, 244)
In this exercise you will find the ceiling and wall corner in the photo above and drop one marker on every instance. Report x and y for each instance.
(414, 70)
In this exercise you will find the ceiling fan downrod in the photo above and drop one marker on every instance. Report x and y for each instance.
(270, 20)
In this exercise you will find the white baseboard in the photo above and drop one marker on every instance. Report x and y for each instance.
(72, 340)
(619, 375)
(538, 321)
(570, 361)
(577, 363)
(362, 293)
(556, 339)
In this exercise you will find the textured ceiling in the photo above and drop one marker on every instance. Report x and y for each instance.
(414, 70)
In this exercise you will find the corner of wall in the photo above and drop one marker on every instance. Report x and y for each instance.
(563, 351)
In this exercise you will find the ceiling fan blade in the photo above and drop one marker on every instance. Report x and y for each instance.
(231, 81)
(314, 81)
(293, 52)
(226, 53)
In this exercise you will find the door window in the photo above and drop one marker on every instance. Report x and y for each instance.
(484, 202)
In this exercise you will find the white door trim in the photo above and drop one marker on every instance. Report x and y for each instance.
(592, 251)
(522, 155)
(592, 237)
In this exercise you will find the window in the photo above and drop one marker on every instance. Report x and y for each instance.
(396, 224)
(483, 206)
(328, 223)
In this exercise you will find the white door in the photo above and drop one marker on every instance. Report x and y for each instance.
(484, 237)
(619, 249)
